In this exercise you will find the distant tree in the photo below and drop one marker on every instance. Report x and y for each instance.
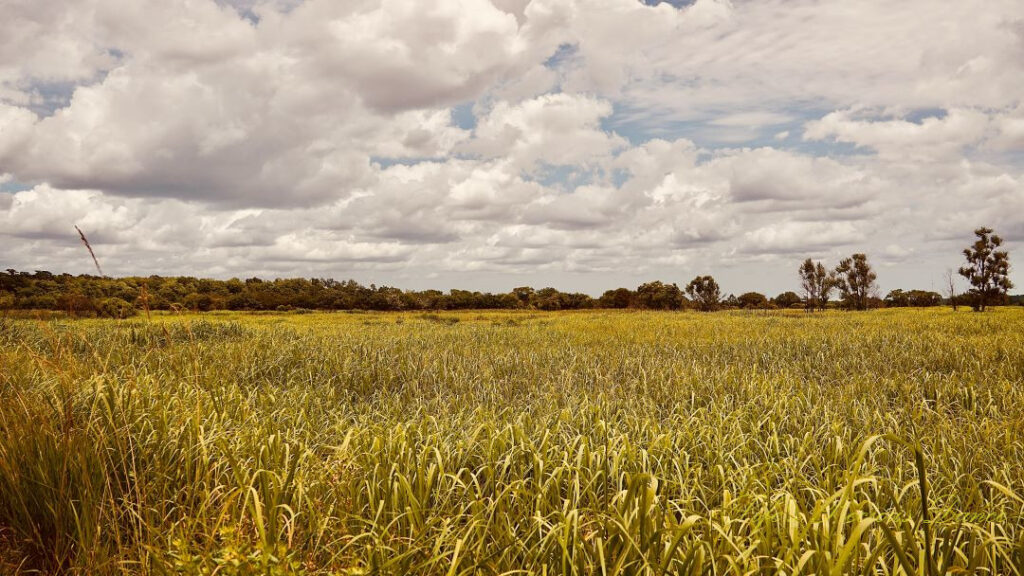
(787, 300)
(548, 299)
(525, 296)
(954, 298)
(505, 301)
(924, 298)
(817, 284)
(897, 299)
(856, 282)
(914, 298)
(987, 269)
(753, 300)
(390, 298)
(617, 298)
(200, 302)
(434, 300)
(704, 292)
(456, 299)
(116, 308)
(76, 304)
(577, 301)
(659, 296)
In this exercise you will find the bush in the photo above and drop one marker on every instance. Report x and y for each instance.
(753, 300)
(116, 308)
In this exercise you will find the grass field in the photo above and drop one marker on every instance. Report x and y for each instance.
(887, 442)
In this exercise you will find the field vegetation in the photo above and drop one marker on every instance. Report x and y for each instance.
(512, 442)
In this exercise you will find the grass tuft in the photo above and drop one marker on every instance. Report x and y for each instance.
(585, 443)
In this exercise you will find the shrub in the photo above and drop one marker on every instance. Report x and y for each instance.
(116, 308)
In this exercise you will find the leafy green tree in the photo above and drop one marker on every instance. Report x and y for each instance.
(617, 298)
(897, 299)
(387, 298)
(548, 299)
(704, 292)
(115, 308)
(787, 300)
(856, 282)
(924, 298)
(577, 301)
(987, 269)
(914, 298)
(200, 302)
(659, 296)
(524, 294)
(753, 300)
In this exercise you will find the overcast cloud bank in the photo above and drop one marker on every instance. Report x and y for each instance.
(486, 144)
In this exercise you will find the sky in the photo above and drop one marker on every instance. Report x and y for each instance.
(487, 144)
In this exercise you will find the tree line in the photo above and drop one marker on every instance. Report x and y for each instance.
(987, 270)
(852, 279)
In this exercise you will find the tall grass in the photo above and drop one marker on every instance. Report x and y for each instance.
(890, 443)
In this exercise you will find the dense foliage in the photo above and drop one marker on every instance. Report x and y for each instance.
(87, 295)
(458, 443)
(987, 269)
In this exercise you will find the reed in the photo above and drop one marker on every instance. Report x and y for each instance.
(889, 442)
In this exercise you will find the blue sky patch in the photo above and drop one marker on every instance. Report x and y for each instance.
(564, 53)
(564, 177)
(921, 114)
(673, 3)
(387, 162)
(12, 186)
(463, 117)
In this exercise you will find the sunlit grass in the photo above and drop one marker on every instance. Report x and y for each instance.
(490, 443)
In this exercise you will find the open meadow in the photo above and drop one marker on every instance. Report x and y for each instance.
(884, 442)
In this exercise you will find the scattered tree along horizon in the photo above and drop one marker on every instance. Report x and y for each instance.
(86, 295)
(987, 270)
